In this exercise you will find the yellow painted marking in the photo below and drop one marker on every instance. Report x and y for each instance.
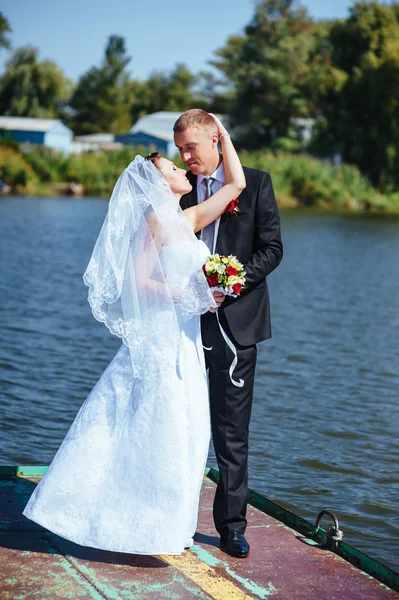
(205, 577)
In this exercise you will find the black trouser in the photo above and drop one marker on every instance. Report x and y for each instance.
(230, 415)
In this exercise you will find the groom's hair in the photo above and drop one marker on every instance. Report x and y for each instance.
(196, 117)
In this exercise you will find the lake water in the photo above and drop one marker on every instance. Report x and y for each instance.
(325, 420)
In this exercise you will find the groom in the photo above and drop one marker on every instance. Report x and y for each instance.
(253, 236)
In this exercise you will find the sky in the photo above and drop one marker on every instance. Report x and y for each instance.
(158, 33)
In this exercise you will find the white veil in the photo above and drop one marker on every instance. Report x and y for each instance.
(139, 295)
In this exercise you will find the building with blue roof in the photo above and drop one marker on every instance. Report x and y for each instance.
(154, 132)
(46, 132)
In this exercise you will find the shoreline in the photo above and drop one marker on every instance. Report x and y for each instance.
(286, 204)
(299, 180)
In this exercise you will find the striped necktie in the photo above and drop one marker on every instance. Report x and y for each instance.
(208, 233)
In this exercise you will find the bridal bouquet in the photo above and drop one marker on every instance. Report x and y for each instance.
(225, 274)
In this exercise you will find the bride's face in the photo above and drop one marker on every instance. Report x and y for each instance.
(176, 177)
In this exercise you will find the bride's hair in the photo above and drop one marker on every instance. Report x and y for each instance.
(195, 117)
(154, 157)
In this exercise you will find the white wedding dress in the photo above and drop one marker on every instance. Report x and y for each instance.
(128, 475)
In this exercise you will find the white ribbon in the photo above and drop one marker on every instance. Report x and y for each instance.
(233, 365)
(240, 382)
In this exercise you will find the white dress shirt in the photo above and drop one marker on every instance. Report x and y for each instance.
(219, 181)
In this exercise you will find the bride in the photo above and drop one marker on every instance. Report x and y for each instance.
(128, 475)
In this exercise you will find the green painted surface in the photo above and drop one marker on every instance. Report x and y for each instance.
(254, 588)
(23, 471)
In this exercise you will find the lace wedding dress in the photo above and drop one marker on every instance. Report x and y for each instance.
(128, 475)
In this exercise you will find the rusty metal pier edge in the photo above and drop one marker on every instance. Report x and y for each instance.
(357, 558)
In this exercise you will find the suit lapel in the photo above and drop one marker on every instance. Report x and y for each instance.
(224, 219)
(222, 227)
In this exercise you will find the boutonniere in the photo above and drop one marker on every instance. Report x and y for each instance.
(232, 208)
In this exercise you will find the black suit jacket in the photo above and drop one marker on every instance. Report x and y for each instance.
(254, 237)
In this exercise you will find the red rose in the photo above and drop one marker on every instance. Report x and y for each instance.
(204, 269)
(213, 279)
(231, 271)
(232, 206)
(237, 288)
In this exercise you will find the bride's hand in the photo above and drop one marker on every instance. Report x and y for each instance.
(221, 128)
(219, 298)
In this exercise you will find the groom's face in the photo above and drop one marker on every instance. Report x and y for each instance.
(198, 147)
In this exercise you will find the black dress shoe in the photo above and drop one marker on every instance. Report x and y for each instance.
(235, 544)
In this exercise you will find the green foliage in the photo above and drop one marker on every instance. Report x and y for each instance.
(165, 92)
(304, 181)
(14, 171)
(341, 74)
(98, 172)
(30, 88)
(6, 141)
(287, 144)
(48, 165)
(362, 116)
(279, 69)
(4, 30)
(102, 99)
(210, 94)
(299, 180)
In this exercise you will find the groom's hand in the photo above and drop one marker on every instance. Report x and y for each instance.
(219, 298)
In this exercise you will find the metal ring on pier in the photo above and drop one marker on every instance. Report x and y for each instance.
(333, 535)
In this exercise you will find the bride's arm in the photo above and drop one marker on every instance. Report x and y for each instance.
(205, 213)
(145, 264)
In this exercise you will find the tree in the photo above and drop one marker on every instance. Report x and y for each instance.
(30, 88)
(169, 92)
(211, 94)
(276, 69)
(4, 29)
(363, 116)
(103, 96)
